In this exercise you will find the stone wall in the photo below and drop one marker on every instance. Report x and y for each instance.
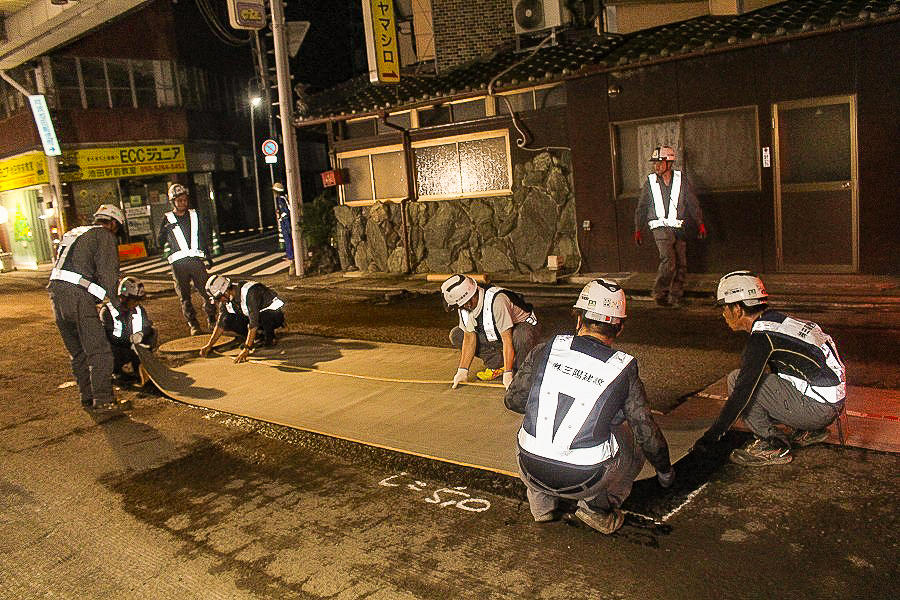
(507, 234)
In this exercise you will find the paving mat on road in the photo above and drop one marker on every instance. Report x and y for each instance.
(379, 394)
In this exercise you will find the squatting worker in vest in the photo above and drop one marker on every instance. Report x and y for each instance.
(183, 231)
(83, 276)
(128, 325)
(790, 373)
(246, 308)
(495, 324)
(666, 202)
(587, 425)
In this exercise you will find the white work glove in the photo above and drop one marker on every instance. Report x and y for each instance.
(507, 378)
(461, 376)
(666, 479)
(137, 337)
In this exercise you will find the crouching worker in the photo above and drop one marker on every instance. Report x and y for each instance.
(495, 324)
(246, 308)
(790, 374)
(587, 425)
(127, 325)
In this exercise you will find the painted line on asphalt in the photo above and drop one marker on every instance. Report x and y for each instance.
(687, 500)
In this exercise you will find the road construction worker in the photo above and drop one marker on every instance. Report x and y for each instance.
(667, 202)
(587, 425)
(790, 373)
(128, 325)
(188, 243)
(283, 216)
(246, 308)
(500, 336)
(84, 274)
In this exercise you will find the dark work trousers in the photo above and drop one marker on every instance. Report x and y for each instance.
(672, 264)
(777, 401)
(184, 272)
(83, 334)
(616, 477)
(525, 336)
(269, 321)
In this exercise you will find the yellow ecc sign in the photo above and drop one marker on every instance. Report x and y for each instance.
(384, 40)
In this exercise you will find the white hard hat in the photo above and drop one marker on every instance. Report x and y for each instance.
(741, 286)
(217, 285)
(176, 189)
(131, 287)
(602, 300)
(278, 187)
(109, 211)
(662, 153)
(457, 290)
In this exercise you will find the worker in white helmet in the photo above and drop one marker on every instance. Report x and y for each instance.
(587, 425)
(185, 234)
(83, 276)
(246, 308)
(496, 325)
(790, 374)
(126, 325)
(667, 201)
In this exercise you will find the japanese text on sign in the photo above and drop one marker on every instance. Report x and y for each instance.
(381, 35)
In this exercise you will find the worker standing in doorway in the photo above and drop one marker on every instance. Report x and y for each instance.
(667, 200)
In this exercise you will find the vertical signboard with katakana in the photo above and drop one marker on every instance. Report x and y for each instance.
(381, 41)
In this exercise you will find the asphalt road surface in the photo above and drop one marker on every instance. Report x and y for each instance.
(174, 502)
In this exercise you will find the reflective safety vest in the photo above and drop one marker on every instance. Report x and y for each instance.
(61, 274)
(818, 342)
(662, 219)
(487, 311)
(274, 305)
(137, 321)
(184, 249)
(558, 422)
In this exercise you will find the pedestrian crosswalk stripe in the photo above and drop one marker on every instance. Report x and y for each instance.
(248, 264)
(281, 265)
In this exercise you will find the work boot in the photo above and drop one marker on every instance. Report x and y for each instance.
(547, 517)
(803, 438)
(761, 453)
(489, 374)
(663, 301)
(195, 328)
(602, 521)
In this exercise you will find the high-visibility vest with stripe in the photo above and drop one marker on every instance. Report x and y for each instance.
(60, 273)
(563, 424)
(487, 312)
(664, 219)
(245, 310)
(818, 344)
(184, 248)
(119, 331)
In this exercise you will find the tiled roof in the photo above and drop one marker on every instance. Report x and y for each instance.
(596, 53)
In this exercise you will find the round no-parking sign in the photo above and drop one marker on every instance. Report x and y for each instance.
(270, 147)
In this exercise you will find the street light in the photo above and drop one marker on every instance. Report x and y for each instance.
(254, 102)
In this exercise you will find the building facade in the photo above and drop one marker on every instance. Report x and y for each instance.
(533, 154)
(151, 98)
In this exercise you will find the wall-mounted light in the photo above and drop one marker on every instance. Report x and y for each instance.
(613, 91)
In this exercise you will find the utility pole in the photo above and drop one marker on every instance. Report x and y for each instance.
(288, 137)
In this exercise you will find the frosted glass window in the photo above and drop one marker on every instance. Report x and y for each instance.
(401, 120)
(390, 175)
(555, 96)
(437, 168)
(359, 179)
(518, 102)
(483, 165)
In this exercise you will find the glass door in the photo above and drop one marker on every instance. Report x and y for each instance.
(816, 205)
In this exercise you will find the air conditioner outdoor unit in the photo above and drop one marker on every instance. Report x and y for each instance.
(535, 15)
